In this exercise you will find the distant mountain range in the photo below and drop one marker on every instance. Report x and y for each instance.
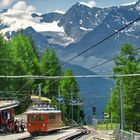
(94, 91)
(76, 30)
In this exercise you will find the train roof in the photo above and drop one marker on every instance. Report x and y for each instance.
(45, 99)
(43, 111)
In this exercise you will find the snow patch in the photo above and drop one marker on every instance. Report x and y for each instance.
(85, 29)
(58, 38)
(80, 22)
(58, 11)
(23, 19)
(108, 25)
(90, 4)
(53, 27)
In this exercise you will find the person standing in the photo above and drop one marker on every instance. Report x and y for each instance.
(22, 125)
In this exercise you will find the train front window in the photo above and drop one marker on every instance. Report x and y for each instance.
(32, 118)
(41, 118)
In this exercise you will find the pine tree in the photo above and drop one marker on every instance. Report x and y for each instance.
(25, 62)
(50, 66)
(127, 63)
(5, 66)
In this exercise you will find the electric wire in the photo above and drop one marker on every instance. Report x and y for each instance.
(112, 59)
(92, 47)
(106, 38)
(71, 76)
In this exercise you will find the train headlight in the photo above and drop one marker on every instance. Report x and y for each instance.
(29, 124)
(43, 124)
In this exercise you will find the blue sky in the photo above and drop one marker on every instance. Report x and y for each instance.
(61, 5)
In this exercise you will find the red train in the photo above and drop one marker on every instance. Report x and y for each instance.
(42, 120)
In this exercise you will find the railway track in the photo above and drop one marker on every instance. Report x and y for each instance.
(38, 135)
(81, 132)
(65, 133)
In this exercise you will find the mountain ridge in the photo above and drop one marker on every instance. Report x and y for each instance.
(75, 31)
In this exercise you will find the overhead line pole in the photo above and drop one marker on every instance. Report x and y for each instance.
(59, 95)
(39, 90)
(111, 106)
(121, 107)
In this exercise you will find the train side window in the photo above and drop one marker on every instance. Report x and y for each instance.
(32, 118)
(51, 116)
(41, 118)
(57, 117)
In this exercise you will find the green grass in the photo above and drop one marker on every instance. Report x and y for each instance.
(109, 126)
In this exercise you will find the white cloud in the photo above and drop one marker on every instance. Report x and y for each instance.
(5, 3)
(22, 6)
(90, 3)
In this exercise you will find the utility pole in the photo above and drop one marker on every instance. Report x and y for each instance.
(59, 96)
(39, 90)
(71, 104)
(78, 109)
(111, 106)
(121, 107)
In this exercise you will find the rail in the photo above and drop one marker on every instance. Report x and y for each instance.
(82, 132)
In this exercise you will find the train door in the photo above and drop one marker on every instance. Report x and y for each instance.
(41, 122)
(37, 123)
(32, 123)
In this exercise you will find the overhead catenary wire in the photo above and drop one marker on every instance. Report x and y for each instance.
(112, 59)
(136, 88)
(116, 32)
(95, 95)
(71, 76)
(106, 38)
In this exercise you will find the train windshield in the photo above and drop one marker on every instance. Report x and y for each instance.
(32, 118)
(36, 118)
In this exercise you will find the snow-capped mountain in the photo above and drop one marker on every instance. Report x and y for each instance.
(80, 19)
(22, 19)
(117, 18)
(69, 27)
(80, 28)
